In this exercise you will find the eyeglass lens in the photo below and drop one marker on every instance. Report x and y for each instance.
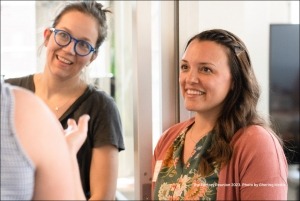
(81, 47)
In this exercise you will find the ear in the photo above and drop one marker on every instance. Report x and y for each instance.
(47, 34)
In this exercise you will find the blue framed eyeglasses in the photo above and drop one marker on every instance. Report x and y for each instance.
(63, 38)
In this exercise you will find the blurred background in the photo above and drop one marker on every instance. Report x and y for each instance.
(138, 66)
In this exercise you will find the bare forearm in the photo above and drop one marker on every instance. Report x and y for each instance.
(77, 182)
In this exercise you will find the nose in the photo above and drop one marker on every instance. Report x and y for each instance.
(192, 77)
(70, 47)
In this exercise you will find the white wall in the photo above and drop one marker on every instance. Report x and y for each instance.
(18, 46)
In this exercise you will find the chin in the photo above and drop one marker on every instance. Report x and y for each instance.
(190, 108)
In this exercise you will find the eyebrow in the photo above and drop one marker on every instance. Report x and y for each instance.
(200, 63)
(68, 30)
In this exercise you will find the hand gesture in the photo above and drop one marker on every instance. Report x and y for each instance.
(76, 133)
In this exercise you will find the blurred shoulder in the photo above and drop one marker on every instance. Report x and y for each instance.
(26, 100)
(36, 126)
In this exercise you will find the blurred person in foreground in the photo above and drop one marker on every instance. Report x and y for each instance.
(38, 157)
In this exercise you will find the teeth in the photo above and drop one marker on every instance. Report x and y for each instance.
(194, 92)
(64, 60)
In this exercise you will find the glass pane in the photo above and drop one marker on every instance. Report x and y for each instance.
(122, 69)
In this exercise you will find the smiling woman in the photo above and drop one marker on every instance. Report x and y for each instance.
(210, 156)
(72, 43)
(205, 77)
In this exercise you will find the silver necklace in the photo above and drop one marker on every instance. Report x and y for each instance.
(58, 107)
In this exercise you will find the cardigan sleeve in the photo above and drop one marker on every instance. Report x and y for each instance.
(260, 165)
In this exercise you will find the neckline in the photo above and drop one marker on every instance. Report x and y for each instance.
(76, 103)
(82, 97)
(199, 148)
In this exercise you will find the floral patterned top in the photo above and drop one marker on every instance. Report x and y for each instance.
(179, 181)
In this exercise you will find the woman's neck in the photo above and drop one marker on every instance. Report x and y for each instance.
(58, 95)
(204, 123)
(48, 86)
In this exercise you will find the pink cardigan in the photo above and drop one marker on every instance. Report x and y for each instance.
(257, 170)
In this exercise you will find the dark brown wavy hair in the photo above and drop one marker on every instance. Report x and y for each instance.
(240, 104)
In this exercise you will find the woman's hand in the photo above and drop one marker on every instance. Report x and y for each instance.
(76, 133)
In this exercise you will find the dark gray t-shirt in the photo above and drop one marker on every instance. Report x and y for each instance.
(104, 125)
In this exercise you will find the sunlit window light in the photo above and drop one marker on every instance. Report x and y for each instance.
(294, 12)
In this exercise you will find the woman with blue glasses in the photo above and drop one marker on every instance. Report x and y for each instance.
(71, 45)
